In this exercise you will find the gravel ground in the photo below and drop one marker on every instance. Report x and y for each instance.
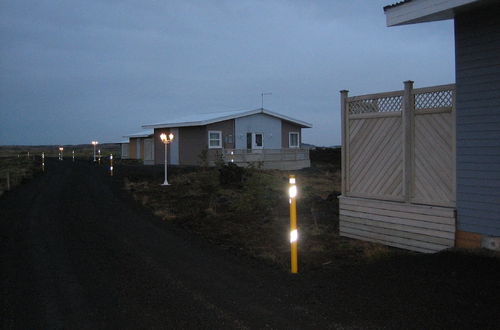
(77, 252)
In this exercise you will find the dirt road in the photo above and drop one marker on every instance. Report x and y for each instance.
(78, 253)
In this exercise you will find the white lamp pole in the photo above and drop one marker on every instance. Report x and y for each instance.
(61, 153)
(166, 140)
(94, 143)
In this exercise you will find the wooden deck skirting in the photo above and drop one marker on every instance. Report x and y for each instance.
(413, 227)
(398, 167)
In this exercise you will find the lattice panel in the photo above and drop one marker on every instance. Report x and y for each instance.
(432, 100)
(375, 157)
(383, 104)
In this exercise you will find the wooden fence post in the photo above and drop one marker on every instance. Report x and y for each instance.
(408, 124)
(344, 138)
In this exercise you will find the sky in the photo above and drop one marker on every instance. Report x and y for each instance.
(75, 71)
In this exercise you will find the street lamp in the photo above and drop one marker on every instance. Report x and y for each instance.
(166, 140)
(94, 143)
(61, 153)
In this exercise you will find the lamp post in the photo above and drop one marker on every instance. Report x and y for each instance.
(43, 162)
(294, 235)
(73, 152)
(166, 140)
(99, 156)
(61, 153)
(94, 143)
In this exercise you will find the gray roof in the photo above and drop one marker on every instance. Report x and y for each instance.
(209, 118)
(396, 4)
(144, 133)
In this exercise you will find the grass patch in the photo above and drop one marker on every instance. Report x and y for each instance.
(248, 210)
(14, 171)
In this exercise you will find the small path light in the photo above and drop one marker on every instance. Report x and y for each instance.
(73, 152)
(232, 156)
(294, 234)
(61, 149)
(43, 162)
(166, 140)
(99, 157)
(94, 143)
(111, 164)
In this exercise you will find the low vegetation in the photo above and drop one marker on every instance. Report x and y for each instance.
(15, 170)
(247, 209)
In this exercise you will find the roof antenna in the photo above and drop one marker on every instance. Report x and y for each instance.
(262, 95)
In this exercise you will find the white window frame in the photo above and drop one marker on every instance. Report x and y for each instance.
(254, 141)
(219, 146)
(290, 140)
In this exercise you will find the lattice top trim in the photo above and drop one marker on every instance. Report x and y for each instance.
(383, 104)
(433, 100)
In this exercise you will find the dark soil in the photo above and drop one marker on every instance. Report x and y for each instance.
(76, 251)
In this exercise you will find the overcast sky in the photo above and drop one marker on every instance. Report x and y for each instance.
(76, 71)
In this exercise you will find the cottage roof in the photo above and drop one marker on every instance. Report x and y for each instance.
(144, 133)
(209, 118)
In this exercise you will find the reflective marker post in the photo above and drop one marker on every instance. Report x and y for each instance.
(111, 164)
(294, 235)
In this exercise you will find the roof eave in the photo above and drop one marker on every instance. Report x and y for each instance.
(412, 12)
(229, 117)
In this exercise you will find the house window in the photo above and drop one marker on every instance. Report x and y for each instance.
(293, 140)
(259, 141)
(214, 139)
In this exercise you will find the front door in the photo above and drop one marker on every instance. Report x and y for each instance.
(258, 141)
(255, 141)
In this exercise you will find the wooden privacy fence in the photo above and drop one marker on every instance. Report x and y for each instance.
(399, 147)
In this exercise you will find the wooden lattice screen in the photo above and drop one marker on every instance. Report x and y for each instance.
(400, 146)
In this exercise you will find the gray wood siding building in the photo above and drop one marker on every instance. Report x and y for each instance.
(242, 137)
(477, 49)
(475, 133)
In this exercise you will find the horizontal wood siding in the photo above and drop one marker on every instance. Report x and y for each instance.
(413, 227)
(477, 38)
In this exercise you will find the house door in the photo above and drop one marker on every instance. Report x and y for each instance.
(255, 141)
(258, 141)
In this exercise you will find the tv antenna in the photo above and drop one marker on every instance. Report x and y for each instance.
(262, 95)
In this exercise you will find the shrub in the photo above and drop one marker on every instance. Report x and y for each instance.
(231, 175)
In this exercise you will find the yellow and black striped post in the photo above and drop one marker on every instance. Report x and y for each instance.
(292, 191)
